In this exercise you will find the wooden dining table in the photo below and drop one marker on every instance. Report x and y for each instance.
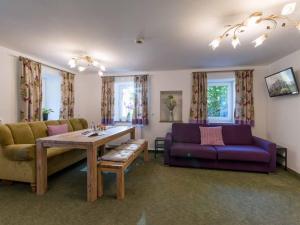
(79, 141)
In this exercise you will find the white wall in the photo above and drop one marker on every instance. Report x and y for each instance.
(181, 80)
(8, 86)
(88, 97)
(283, 114)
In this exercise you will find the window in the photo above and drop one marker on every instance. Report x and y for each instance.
(51, 84)
(124, 99)
(220, 100)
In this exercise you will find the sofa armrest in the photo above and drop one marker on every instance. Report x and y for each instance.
(168, 144)
(269, 147)
(19, 152)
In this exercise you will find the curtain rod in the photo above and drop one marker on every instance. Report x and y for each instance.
(43, 64)
(125, 75)
(222, 71)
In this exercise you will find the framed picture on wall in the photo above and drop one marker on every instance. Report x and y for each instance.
(170, 106)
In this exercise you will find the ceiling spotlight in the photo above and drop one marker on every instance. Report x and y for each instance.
(72, 63)
(235, 42)
(102, 67)
(270, 22)
(100, 73)
(215, 43)
(288, 9)
(86, 62)
(139, 40)
(253, 18)
(95, 63)
(81, 68)
(260, 40)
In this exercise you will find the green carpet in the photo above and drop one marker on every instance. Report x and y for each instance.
(156, 194)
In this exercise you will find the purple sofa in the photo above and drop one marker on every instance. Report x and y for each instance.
(241, 151)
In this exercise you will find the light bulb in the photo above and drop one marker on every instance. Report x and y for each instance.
(215, 43)
(72, 63)
(260, 40)
(102, 68)
(95, 63)
(235, 42)
(298, 26)
(81, 68)
(100, 73)
(253, 18)
(288, 9)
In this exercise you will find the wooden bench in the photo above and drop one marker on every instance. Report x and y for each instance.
(117, 160)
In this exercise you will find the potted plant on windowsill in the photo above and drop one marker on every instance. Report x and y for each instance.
(46, 112)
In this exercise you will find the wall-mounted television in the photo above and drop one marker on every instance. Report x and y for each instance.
(282, 83)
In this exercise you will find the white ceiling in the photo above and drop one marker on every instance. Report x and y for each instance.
(177, 32)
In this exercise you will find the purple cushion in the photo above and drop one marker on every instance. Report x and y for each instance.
(242, 153)
(193, 151)
(186, 133)
(237, 135)
(57, 129)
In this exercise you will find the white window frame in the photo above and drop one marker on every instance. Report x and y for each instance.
(120, 85)
(230, 83)
(49, 73)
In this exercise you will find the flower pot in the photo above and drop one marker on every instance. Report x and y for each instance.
(45, 116)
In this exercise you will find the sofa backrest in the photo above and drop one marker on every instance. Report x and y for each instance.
(27, 133)
(237, 134)
(6, 137)
(39, 129)
(76, 124)
(186, 133)
(232, 134)
(21, 133)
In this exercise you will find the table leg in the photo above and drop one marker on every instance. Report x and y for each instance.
(100, 183)
(146, 155)
(92, 174)
(155, 149)
(120, 184)
(132, 134)
(41, 169)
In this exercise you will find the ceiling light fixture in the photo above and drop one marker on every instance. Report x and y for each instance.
(84, 62)
(257, 18)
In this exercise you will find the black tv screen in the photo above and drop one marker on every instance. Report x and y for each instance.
(282, 83)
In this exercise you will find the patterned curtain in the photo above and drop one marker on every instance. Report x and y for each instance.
(107, 100)
(67, 95)
(198, 111)
(140, 112)
(244, 105)
(30, 90)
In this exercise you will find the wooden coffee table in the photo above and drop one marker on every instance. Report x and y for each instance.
(77, 140)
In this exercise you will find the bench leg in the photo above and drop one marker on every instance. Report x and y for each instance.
(33, 187)
(146, 155)
(120, 185)
(100, 183)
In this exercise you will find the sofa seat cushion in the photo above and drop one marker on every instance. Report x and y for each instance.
(55, 151)
(193, 151)
(19, 152)
(242, 153)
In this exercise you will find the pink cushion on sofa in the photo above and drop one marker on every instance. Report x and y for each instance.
(211, 136)
(57, 129)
